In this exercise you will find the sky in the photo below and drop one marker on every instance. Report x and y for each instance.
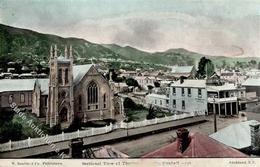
(211, 27)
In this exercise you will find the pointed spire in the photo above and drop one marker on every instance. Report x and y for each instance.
(51, 52)
(66, 52)
(71, 56)
(55, 51)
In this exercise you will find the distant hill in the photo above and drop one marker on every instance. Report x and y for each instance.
(169, 57)
(30, 47)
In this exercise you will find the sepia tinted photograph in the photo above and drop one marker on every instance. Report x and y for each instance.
(129, 79)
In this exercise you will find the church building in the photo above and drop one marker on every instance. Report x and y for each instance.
(72, 91)
(78, 91)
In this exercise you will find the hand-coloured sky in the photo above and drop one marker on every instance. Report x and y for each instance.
(213, 27)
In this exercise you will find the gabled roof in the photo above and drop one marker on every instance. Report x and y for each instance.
(193, 83)
(44, 84)
(236, 135)
(222, 87)
(160, 96)
(252, 82)
(79, 72)
(181, 69)
(7, 85)
(200, 146)
(108, 152)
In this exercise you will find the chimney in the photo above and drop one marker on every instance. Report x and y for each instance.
(255, 137)
(181, 79)
(183, 139)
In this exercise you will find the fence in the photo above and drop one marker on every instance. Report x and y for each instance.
(31, 142)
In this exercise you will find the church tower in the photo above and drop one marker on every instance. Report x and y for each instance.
(60, 104)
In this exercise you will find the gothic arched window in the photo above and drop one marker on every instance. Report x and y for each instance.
(80, 103)
(66, 76)
(92, 96)
(104, 101)
(63, 115)
(60, 76)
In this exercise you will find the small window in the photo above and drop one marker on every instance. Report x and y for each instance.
(183, 104)
(155, 101)
(105, 106)
(80, 103)
(174, 103)
(182, 91)
(22, 99)
(45, 101)
(11, 98)
(174, 91)
(104, 98)
(160, 102)
(189, 91)
(199, 92)
(167, 101)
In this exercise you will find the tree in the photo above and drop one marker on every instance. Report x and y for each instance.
(206, 68)
(151, 113)
(74, 126)
(252, 63)
(224, 64)
(129, 103)
(150, 87)
(114, 76)
(156, 84)
(132, 82)
(10, 131)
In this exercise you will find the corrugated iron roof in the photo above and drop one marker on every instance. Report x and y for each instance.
(236, 135)
(193, 83)
(79, 72)
(181, 69)
(252, 82)
(200, 146)
(6, 85)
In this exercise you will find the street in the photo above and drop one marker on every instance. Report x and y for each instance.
(143, 145)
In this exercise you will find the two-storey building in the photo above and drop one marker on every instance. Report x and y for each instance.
(225, 98)
(188, 96)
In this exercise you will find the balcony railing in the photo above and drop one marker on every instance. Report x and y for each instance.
(220, 100)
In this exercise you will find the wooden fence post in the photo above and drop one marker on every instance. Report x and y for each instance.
(106, 128)
(92, 131)
(156, 121)
(62, 135)
(78, 132)
(29, 142)
(10, 145)
(145, 122)
(121, 124)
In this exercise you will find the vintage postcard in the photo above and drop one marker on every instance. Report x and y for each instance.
(129, 83)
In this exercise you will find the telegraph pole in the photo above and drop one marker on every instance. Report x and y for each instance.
(215, 116)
